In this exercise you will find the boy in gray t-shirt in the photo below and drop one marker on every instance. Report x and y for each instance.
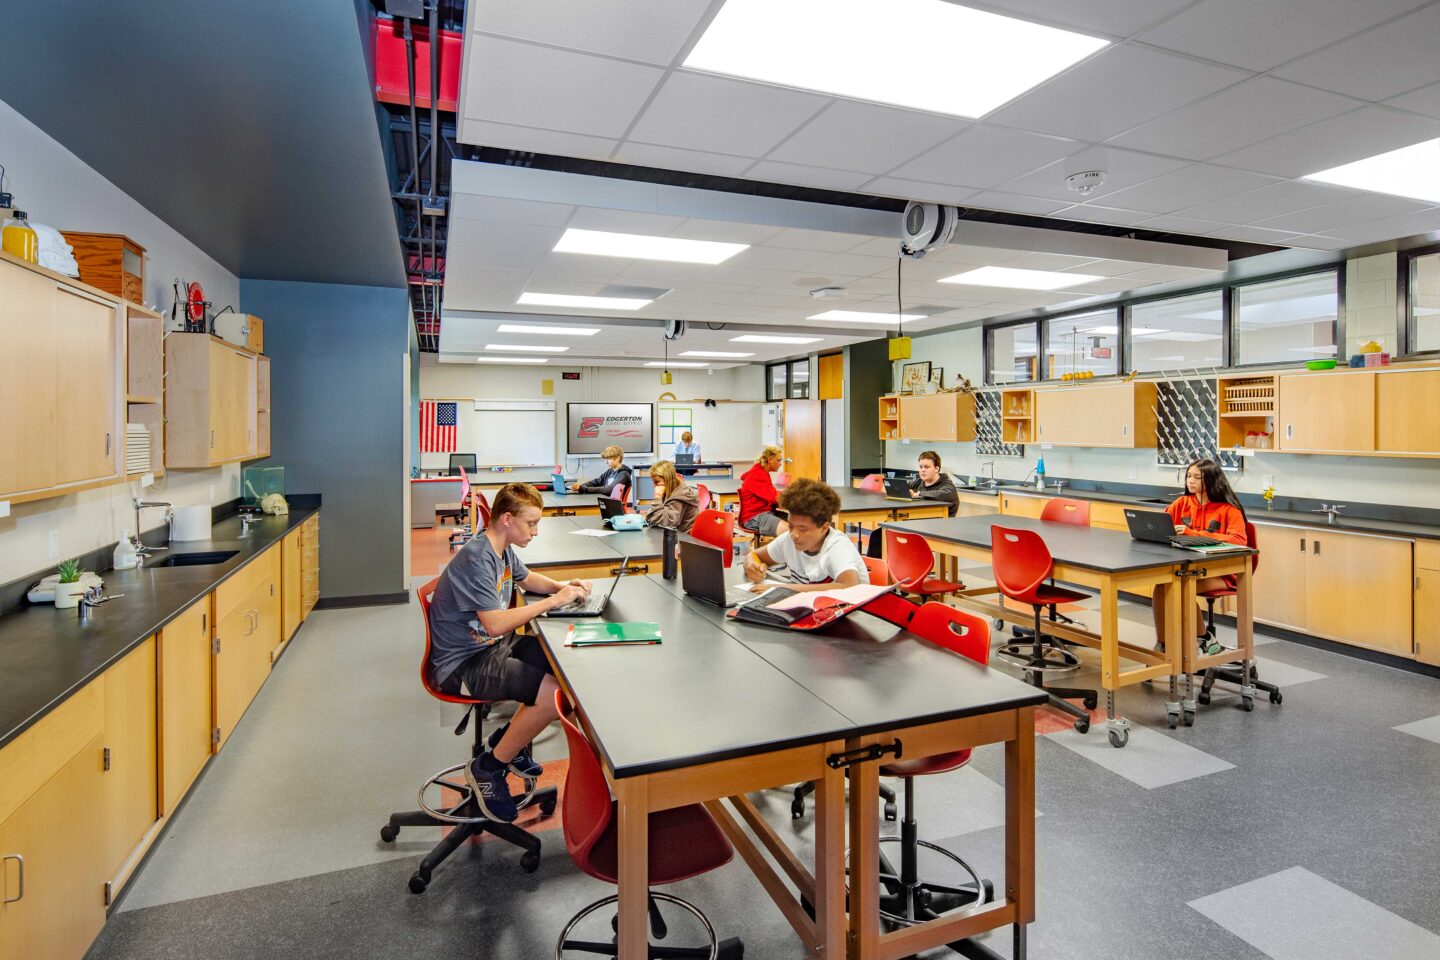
(476, 652)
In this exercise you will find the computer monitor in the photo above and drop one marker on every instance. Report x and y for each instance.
(466, 460)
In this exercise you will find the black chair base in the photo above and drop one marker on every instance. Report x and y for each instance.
(1059, 697)
(728, 949)
(1230, 673)
(797, 806)
(518, 836)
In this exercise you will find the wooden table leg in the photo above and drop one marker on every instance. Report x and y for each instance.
(1109, 635)
(632, 811)
(864, 855)
(1020, 824)
(1245, 613)
(830, 919)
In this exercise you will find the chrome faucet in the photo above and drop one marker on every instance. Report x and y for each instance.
(1331, 511)
(247, 521)
(990, 481)
(140, 547)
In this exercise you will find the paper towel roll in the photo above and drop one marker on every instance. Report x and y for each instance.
(190, 523)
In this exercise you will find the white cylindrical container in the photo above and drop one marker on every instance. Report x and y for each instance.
(190, 523)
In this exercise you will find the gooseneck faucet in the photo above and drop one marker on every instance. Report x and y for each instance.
(140, 547)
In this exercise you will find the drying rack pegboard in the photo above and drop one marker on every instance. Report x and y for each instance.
(1186, 426)
(988, 437)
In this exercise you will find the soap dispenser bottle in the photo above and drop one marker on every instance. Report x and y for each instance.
(125, 557)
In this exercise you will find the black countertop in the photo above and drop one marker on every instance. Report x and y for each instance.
(46, 655)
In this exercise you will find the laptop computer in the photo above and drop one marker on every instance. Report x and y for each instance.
(702, 576)
(1155, 527)
(557, 483)
(610, 507)
(684, 459)
(595, 606)
(897, 489)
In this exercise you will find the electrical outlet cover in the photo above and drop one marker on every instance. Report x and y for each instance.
(54, 544)
(4, 508)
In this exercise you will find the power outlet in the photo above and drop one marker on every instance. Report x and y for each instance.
(1133, 474)
(212, 493)
(1267, 480)
(54, 544)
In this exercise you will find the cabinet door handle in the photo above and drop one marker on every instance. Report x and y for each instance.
(20, 860)
(107, 444)
(1302, 544)
(1289, 431)
(1125, 430)
(1317, 547)
(212, 439)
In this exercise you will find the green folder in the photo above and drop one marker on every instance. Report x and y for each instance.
(601, 633)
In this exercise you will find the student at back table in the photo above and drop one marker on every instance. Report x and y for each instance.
(615, 473)
(758, 498)
(817, 555)
(475, 650)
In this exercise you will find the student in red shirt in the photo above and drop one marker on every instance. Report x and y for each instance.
(758, 499)
(1208, 508)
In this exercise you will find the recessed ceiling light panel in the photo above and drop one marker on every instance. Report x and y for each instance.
(762, 338)
(603, 243)
(1412, 171)
(675, 363)
(861, 316)
(548, 329)
(517, 348)
(581, 303)
(1017, 279)
(924, 54)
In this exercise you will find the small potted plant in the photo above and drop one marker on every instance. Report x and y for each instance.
(1269, 494)
(69, 590)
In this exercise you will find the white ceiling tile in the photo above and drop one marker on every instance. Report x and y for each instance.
(776, 258)
(798, 239)
(1015, 203)
(568, 268)
(1108, 285)
(1426, 100)
(1236, 117)
(510, 137)
(850, 265)
(466, 206)
(1115, 90)
(1261, 34)
(878, 247)
(1187, 187)
(1096, 213)
(1392, 228)
(984, 156)
(725, 231)
(1383, 62)
(1172, 223)
(624, 221)
(851, 135)
(820, 177)
(1286, 196)
(962, 253)
(673, 158)
(520, 83)
(650, 32)
(1117, 18)
(1123, 168)
(1317, 242)
(1329, 143)
(701, 112)
(1253, 235)
(903, 189)
(1332, 217)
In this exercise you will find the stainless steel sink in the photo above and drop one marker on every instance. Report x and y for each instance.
(201, 559)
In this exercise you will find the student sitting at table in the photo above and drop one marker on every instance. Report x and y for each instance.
(676, 502)
(476, 652)
(615, 473)
(931, 484)
(817, 555)
(758, 498)
(1208, 508)
(688, 445)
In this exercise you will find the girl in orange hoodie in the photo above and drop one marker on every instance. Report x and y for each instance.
(1208, 508)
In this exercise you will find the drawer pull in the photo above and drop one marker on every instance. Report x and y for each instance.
(20, 860)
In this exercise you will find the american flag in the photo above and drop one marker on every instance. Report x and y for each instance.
(437, 427)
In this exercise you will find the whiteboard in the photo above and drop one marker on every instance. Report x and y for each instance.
(726, 431)
(502, 433)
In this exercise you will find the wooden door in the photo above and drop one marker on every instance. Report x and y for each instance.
(1358, 589)
(1407, 412)
(185, 701)
(127, 805)
(1017, 506)
(27, 385)
(832, 377)
(1328, 413)
(1427, 616)
(231, 403)
(803, 439)
(1279, 581)
(64, 903)
(291, 585)
(84, 442)
(1058, 418)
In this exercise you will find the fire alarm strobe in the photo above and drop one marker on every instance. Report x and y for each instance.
(1083, 183)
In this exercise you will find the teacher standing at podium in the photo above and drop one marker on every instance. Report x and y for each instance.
(688, 446)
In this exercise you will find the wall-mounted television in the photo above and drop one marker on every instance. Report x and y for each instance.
(591, 427)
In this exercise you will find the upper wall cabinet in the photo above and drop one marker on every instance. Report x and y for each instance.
(1327, 414)
(1407, 412)
(61, 384)
(211, 401)
(1097, 415)
(938, 417)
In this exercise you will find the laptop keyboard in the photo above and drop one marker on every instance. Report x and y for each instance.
(595, 603)
(739, 595)
(1193, 540)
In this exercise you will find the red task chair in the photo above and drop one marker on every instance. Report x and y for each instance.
(462, 817)
(910, 560)
(905, 898)
(702, 494)
(1022, 566)
(879, 573)
(873, 482)
(717, 528)
(684, 842)
(1232, 673)
(1060, 510)
(477, 518)
(782, 480)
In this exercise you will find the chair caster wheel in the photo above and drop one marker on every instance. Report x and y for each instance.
(1247, 704)
(1118, 738)
(1204, 698)
(1189, 718)
(891, 813)
(797, 810)
(530, 861)
(1276, 697)
(388, 833)
(1081, 726)
(547, 808)
(989, 891)
(1173, 720)
(999, 624)
(418, 884)
(1090, 702)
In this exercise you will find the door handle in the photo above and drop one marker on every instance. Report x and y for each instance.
(20, 860)
(107, 444)
(1302, 544)
(1317, 547)
(1289, 431)
(789, 460)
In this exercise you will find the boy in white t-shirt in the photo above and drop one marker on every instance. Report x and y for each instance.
(817, 555)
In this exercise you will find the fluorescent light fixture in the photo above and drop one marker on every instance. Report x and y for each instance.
(861, 316)
(603, 243)
(517, 348)
(1412, 171)
(587, 303)
(1184, 336)
(1106, 331)
(1017, 279)
(871, 50)
(512, 359)
(718, 354)
(675, 363)
(547, 329)
(763, 338)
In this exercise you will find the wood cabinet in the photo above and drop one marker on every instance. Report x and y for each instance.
(292, 580)
(1018, 505)
(1427, 601)
(144, 382)
(27, 363)
(262, 406)
(1326, 413)
(1103, 415)
(185, 702)
(1017, 416)
(889, 418)
(1279, 578)
(127, 806)
(85, 439)
(943, 417)
(309, 565)
(1407, 412)
(210, 401)
(111, 262)
(247, 629)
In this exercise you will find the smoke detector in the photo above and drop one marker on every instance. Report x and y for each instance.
(1083, 183)
(827, 293)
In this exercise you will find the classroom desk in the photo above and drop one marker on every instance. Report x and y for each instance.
(856, 506)
(726, 469)
(723, 491)
(777, 706)
(570, 504)
(1109, 562)
(562, 554)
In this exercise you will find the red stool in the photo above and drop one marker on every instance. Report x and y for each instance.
(702, 494)
(717, 528)
(685, 842)
(464, 816)
(910, 560)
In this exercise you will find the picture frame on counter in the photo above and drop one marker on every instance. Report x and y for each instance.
(937, 377)
(914, 376)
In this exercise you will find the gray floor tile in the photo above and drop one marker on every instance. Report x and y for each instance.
(1296, 915)
(1427, 729)
(1151, 759)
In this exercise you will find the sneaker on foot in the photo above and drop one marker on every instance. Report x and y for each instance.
(492, 792)
(1209, 644)
(524, 764)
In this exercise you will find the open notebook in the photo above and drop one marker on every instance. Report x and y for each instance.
(798, 610)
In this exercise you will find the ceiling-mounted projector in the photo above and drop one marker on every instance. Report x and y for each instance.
(925, 227)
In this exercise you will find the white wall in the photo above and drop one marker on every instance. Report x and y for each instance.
(56, 188)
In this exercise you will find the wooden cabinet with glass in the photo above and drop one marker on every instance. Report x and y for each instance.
(1017, 416)
(889, 418)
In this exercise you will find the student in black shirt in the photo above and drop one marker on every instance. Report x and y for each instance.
(930, 485)
(615, 473)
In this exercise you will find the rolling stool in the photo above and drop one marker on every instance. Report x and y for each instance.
(464, 817)
(1232, 673)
